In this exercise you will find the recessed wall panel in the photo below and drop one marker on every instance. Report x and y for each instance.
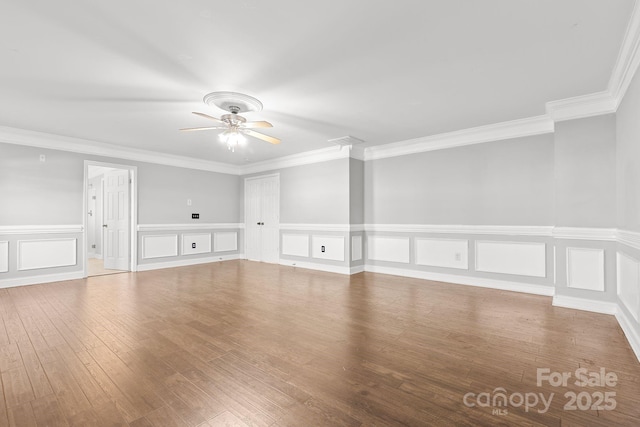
(295, 244)
(159, 246)
(356, 248)
(448, 253)
(520, 258)
(4, 257)
(225, 241)
(46, 253)
(629, 283)
(392, 249)
(196, 243)
(585, 269)
(328, 247)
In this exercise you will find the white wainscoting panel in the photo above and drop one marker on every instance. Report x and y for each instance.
(520, 258)
(629, 283)
(449, 253)
(159, 246)
(295, 244)
(585, 268)
(4, 257)
(201, 241)
(46, 253)
(356, 248)
(225, 241)
(393, 249)
(333, 247)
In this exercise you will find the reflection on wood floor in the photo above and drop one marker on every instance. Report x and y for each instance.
(96, 268)
(244, 343)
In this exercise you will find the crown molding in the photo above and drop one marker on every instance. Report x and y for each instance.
(579, 107)
(628, 58)
(83, 146)
(308, 157)
(494, 132)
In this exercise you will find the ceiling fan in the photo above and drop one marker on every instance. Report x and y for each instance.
(233, 124)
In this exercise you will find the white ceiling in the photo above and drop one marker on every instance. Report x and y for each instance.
(130, 73)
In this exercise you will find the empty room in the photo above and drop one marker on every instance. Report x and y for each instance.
(338, 213)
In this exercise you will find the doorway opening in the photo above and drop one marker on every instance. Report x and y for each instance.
(109, 218)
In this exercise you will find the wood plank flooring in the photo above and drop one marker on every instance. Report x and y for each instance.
(238, 343)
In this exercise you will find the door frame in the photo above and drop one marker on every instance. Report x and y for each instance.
(249, 178)
(133, 213)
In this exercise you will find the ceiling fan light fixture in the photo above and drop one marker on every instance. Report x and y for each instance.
(234, 125)
(232, 138)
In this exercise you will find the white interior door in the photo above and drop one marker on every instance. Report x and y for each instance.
(116, 220)
(270, 222)
(262, 218)
(92, 225)
(253, 215)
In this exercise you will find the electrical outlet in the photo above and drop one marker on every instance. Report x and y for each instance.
(195, 216)
(193, 245)
(321, 248)
(458, 256)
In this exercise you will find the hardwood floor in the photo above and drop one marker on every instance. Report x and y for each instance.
(96, 268)
(239, 343)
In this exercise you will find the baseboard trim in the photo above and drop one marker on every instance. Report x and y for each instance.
(316, 266)
(36, 280)
(632, 334)
(585, 304)
(187, 262)
(357, 269)
(465, 280)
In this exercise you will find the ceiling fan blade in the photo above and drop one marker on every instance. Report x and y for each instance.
(260, 124)
(262, 136)
(207, 128)
(206, 116)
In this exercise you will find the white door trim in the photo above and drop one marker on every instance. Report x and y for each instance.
(133, 207)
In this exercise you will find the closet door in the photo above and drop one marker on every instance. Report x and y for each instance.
(262, 218)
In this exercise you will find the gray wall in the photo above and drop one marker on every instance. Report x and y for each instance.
(163, 192)
(39, 193)
(50, 192)
(585, 172)
(628, 158)
(356, 191)
(498, 183)
(317, 193)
